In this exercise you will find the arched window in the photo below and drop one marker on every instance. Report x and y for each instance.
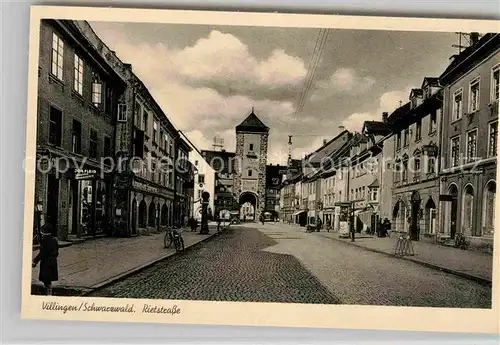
(467, 209)
(142, 214)
(151, 214)
(489, 208)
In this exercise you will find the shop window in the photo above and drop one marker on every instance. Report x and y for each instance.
(152, 214)
(467, 210)
(142, 214)
(489, 208)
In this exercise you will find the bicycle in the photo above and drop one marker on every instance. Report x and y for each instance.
(173, 236)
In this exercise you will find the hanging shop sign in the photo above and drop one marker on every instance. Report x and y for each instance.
(85, 174)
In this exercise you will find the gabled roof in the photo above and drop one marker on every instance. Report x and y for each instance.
(252, 124)
(374, 184)
(376, 128)
(398, 114)
(432, 81)
(416, 93)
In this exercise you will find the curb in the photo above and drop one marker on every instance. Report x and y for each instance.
(82, 292)
(142, 267)
(480, 280)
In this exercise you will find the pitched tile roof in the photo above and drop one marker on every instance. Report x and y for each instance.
(252, 124)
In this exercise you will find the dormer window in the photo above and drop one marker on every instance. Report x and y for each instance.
(250, 147)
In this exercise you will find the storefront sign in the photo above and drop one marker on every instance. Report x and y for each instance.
(145, 187)
(446, 197)
(85, 174)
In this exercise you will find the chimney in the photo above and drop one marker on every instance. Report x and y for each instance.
(341, 128)
(385, 115)
(474, 38)
(453, 57)
(324, 142)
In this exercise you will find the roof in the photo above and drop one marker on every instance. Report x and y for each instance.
(416, 92)
(404, 115)
(397, 115)
(470, 57)
(252, 124)
(376, 127)
(432, 81)
(374, 184)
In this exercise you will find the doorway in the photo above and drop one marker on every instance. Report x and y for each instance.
(453, 191)
(134, 217)
(52, 202)
(415, 216)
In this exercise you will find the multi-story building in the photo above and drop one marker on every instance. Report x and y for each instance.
(415, 191)
(204, 180)
(250, 163)
(288, 202)
(469, 163)
(145, 184)
(274, 176)
(222, 163)
(184, 178)
(78, 96)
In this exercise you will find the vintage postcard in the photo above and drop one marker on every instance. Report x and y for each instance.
(262, 169)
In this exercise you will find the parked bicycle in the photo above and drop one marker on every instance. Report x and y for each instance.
(174, 236)
(461, 242)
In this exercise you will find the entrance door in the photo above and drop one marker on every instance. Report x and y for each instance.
(414, 230)
(454, 207)
(134, 217)
(52, 201)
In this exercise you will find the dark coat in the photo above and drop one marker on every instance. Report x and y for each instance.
(47, 256)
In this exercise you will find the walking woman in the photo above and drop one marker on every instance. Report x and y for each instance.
(47, 256)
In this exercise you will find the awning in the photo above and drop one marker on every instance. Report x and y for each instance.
(299, 212)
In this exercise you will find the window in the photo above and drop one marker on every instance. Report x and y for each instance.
(137, 113)
(251, 147)
(145, 120)
(406, 136)
(374, 194)
(405, 170)
(201, 178)
(494, 83)
(418, 130)
(96, 91)
(431, 165)
(471, 145)
(474, 95)
(398, 141)
(57, 56)
(161, 136)
(455, 151)
(78, 80)
(433, 122)
(457, 105)
(76, 137)
(122, 113)
(55, 126)
(107, 147)
(170, 178)
(108, 104)
(492, 142)
(155, 130)
(416, 165)
(171, 149)
(93, 144)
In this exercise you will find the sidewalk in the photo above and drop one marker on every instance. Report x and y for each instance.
(94, 263)
(466, 263)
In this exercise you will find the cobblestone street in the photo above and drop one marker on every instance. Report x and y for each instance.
(279, 263)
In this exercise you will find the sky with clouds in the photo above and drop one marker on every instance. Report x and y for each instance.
(207, 78)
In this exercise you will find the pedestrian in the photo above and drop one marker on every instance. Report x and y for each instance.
(47, 256)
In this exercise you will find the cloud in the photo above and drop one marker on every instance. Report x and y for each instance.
(343, 81)
(388, 102)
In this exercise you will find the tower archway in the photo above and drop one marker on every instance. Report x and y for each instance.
(248, 206)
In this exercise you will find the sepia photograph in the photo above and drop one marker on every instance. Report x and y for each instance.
(258, 163)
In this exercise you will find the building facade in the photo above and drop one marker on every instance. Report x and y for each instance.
(78, 96)
(274, 176)
(184, 178)
(222, 163)
(416, 142)
(470, 114)
(250, 163)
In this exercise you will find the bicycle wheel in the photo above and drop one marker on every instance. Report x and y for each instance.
(177, 245)
(167, 240)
